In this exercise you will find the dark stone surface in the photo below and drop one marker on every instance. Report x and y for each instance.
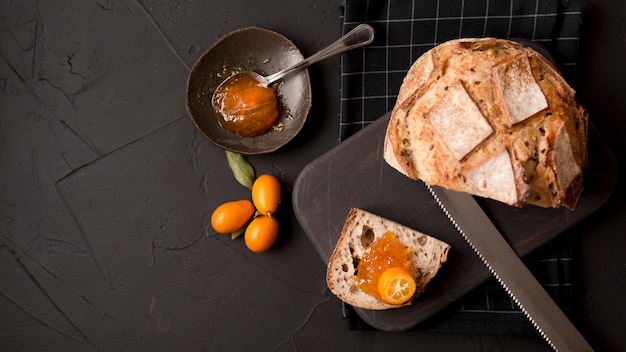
(106, 188)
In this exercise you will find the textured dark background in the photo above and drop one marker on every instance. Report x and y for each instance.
(106, 188)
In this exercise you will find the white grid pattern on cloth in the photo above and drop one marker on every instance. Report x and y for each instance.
(416, 48)
(551, 25)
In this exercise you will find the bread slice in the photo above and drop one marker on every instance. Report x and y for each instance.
(360, 230)
(492, 118)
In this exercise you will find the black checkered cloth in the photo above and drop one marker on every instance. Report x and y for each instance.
(370, 81)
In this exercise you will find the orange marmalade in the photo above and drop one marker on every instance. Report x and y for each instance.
(244, 106)
(382, 254)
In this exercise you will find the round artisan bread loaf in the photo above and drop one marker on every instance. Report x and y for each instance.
(492, 118)
(361, 229)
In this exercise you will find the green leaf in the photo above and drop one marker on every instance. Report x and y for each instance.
(241, 168)
(237, 233)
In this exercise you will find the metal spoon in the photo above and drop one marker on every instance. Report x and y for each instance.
(359, 36)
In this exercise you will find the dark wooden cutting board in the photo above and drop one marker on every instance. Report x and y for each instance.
(354, 174)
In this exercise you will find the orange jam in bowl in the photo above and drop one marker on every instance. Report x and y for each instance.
(244, 106)
(382, 254)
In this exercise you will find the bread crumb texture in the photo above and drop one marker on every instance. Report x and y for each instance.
(360, 230)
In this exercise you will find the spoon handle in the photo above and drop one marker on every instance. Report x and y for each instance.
(363, 34)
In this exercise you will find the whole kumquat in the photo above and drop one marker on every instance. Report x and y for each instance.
(266, 194)
(232, 216)
(261, 233)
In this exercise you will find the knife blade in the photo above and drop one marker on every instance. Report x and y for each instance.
(507, 267)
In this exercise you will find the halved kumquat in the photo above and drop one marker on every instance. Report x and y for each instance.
(396, 285)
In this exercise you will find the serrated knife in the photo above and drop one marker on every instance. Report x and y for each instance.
(507, 267)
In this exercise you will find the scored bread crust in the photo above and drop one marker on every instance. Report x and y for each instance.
(361, 229)
(468, 103)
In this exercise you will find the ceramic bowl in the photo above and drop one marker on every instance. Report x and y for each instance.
(265, 52)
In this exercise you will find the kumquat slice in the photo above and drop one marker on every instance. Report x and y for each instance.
(396, 285)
